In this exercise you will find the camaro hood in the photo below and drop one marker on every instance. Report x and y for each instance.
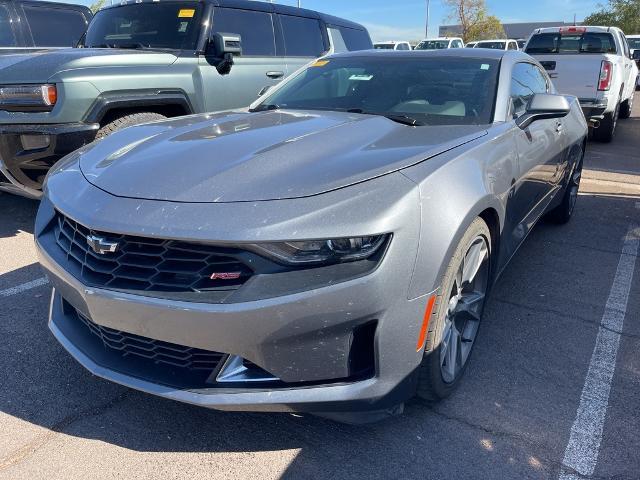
(40, 66)
(240, 156)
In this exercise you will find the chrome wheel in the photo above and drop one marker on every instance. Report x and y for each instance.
(466, 302)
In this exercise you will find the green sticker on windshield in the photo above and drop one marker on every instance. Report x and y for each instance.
(485, 66)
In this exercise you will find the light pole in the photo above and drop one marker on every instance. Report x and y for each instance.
(427, 22)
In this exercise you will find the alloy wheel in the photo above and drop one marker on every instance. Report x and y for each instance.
(466, 303)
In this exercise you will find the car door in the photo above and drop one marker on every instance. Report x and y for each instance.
(256, 68)
(303, 40)
(540, 148)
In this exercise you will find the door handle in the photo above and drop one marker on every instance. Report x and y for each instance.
(275, 75)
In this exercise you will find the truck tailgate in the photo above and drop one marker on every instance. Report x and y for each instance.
(574, 74)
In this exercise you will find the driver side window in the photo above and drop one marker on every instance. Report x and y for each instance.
(526, 80)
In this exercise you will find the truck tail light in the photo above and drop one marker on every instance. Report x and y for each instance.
(606, 71)
(572, 30)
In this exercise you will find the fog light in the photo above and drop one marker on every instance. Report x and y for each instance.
(35, 142)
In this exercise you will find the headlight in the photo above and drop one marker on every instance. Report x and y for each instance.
(24, 98)
(314, 252)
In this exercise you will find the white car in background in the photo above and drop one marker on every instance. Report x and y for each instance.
(440, 43)
(392, 46)
(471, 45)
(498, 44)
(593, 64)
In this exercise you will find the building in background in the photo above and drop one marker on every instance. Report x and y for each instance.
(513, 30)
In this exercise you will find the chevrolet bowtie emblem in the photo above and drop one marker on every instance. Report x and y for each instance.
(101, 245)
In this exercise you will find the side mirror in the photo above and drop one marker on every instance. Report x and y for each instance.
(226, 43)
(264, 90)
(544, 106)
(224, 46)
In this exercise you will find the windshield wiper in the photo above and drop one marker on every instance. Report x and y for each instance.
(265, 107)
(398, 118)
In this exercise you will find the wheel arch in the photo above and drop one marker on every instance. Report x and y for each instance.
(110, 105)
(490, 210)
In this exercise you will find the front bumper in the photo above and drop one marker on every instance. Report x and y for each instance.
(305, 338)
(23, 167)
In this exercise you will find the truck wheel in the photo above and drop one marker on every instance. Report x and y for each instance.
(125, 121)
(607, 128)
(626, 108)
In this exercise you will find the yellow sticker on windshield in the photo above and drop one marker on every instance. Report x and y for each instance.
(320, 63)
(186, 13)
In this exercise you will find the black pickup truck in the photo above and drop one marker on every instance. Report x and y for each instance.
(33, 25)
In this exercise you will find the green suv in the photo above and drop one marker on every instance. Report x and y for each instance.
(149, 60)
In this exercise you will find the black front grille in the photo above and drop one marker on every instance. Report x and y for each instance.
(149, 264)
(156, 351)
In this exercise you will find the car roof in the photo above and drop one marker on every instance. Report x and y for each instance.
(439, 38)
(595, 29)
(497, 40)
(259, 6)
(451, 52)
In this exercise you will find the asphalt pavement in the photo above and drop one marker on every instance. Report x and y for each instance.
(552, 391)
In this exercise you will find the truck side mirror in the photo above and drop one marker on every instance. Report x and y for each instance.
(225, 46)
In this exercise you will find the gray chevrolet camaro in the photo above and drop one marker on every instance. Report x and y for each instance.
(328, 250)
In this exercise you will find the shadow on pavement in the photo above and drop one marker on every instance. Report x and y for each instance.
(510, 418)
(17, 214)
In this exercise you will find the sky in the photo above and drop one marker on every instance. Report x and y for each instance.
(405, 19)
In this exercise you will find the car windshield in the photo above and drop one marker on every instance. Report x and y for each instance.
(634, 43)
(574, 43)
(146, 25)
(384, 46)
(428, 90)
(433, 45)
(492, 45)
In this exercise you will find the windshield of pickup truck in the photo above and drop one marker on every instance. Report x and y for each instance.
(146, 25)
(412, 90)
(588, 42)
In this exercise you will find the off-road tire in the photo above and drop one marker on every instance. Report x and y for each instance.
(431, 386)
(127, 121)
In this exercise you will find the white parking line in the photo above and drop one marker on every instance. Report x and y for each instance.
(583, 449)
(24, 287)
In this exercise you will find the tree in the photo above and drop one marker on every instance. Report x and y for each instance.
(488, 28)
(624, 14)
(98, 5)
(474, 20)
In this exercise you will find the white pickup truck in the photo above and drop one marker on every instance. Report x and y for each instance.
(593, 64)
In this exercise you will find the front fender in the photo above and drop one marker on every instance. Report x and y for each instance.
(456, 188)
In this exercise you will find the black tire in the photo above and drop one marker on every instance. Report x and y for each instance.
(563, 212)
(607, 129)
(432, 385)
(125, 121)
(626, 108)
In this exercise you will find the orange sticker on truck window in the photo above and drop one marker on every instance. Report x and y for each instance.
(320, 63)
(186, 13)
